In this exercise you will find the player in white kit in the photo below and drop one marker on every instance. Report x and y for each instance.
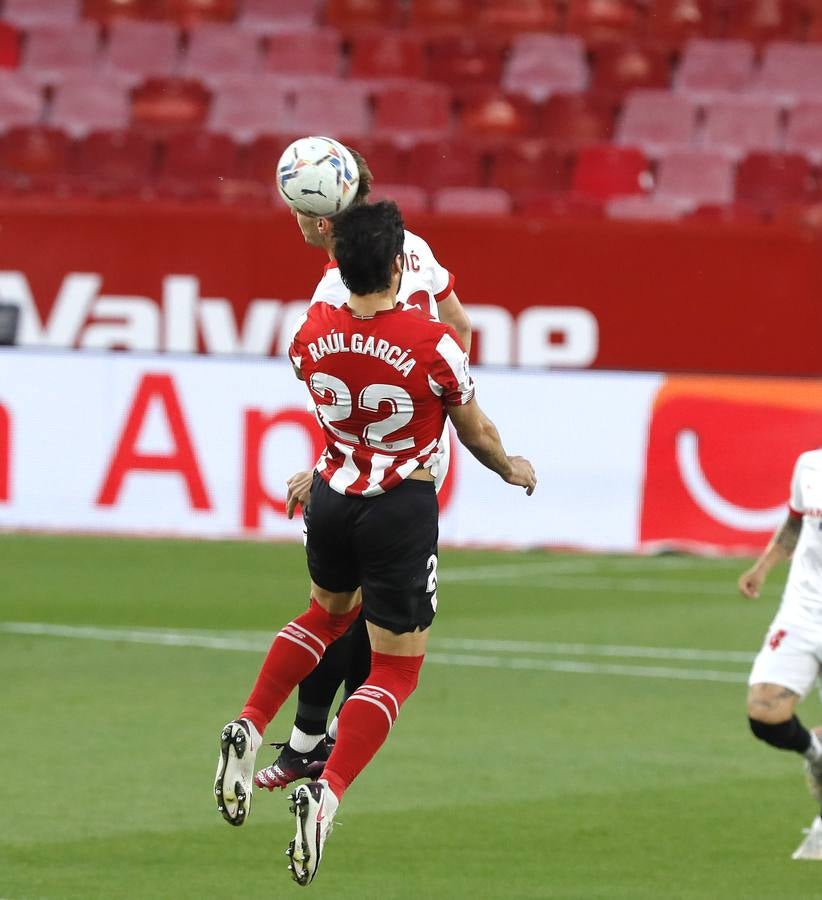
(791, 656)
(425, 285)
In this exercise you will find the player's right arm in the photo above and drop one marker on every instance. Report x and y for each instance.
(781, 546)
(479, 435)
(780, 549)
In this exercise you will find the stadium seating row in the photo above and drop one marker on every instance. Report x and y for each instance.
(535, 65)
(244, 107)
(670, 21)
(529, 177)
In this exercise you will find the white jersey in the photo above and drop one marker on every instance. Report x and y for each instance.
(802, 600)
(424, 281)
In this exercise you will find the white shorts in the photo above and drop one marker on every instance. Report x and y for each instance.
(791, 657)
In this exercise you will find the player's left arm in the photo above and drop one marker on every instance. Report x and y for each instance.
(453, 313)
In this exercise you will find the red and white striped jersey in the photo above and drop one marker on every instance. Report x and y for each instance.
(424, 281)
(381, 386)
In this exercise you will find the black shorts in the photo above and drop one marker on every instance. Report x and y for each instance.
(387, 545)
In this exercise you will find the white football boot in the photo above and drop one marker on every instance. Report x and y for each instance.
(234, 782)
(811, 847)
(314, 806)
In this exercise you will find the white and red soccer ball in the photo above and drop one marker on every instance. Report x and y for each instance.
(317, 176)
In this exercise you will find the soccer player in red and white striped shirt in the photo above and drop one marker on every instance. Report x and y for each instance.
(425, 285)
(384, 381)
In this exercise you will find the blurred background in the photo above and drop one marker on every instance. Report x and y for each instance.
(627, 193)
(616, 185)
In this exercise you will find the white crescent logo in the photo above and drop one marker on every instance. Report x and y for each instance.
(709, 501)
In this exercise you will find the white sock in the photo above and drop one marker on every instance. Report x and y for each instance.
(332, 728)
(814, 752)
(302, 742)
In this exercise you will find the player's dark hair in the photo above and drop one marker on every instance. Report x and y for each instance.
(367, 240)
(366, 178)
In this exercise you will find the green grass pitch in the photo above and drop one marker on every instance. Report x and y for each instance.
(579, 732)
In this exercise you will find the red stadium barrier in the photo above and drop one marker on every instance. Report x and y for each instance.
(610, 295)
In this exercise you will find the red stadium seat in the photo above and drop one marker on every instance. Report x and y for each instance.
(726, 213)
(348, 15)
(34, 13)
(248, 107)
(139, 50)
(711, 69)
(21, 100)
(619, 68)
(472, 201)
(187, 13)
(162, 106)
(387, 54)
(450, 15)
(570, 121)
(9, 46)
(543, 64)
(530, 167)
(115, 163)
(675, 21)
(305, 53)
(217, 51)
(456, 163)
(769, 181)
(195, 163)
(269, 16)
(413, 113)
(460, 59)
(335, 107)
(261, 158)
(764, 20)
(698, 176)
(656, 121)
(33, 158)
(108, 11)
(604, 172)
(647, 209)
(519, 15)
(409, 198)
(387, 162)
(804, 132)
(602, 21)
(90, 103)
(790, 73)
(737, 127)
(493, 115)
(54, 53)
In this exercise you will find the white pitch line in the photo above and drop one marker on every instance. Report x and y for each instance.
(581, 668)
(577, 649)
(138, 636)
(158, 637)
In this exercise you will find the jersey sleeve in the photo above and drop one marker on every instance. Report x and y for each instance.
(796, 505)
(450, 376)
(330, 288)
(297, 349)
(440, 280)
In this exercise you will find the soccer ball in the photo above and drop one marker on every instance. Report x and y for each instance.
(317, 176)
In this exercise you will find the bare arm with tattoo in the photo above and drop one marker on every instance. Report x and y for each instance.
(779, 549)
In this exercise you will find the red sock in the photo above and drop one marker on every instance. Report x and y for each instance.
(295, 652)
(368, 715)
